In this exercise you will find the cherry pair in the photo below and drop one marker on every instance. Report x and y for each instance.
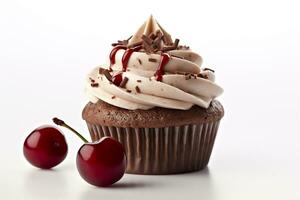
(100, 163)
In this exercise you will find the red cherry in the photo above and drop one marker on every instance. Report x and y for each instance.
(102, 163)
(45, 147)
(117, 79)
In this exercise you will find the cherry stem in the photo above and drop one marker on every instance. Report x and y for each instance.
(60, 122)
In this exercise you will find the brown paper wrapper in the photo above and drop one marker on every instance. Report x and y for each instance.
(165, 150)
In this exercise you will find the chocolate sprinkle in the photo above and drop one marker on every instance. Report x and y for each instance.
(123, 82)
(92, 80)
(208, 69)
(113, 97)
(129, 91)
(139, 81)
(152, 60)
(139, 61)
(137, 89)
(95, 84)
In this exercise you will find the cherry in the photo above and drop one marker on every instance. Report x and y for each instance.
(117, 79)
(45, 147)
(100, 163)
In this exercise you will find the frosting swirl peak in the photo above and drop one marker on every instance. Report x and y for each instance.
(149, 70)
(150, 26)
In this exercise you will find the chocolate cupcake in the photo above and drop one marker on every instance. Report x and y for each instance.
(155, 99)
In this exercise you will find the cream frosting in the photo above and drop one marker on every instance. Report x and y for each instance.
(143, 91)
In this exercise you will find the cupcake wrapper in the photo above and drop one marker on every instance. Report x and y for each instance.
(167, 150)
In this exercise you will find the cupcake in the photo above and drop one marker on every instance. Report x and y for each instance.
(155, 98)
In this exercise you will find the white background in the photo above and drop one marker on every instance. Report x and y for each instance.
(47, 48)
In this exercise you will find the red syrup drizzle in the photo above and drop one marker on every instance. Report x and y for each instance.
(125, 59)
(117, 78)
(160, 69)
(112, 55)
(126, 56)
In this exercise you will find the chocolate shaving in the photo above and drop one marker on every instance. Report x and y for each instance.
(107, 74)
(152, 60)
(137, 89)
(95, 84)
(123, 82)
(173, 47)
(129, 91)
(159, 34)
(152, 36)
(139, 81)
(147, 39)
(113, 97)
(122, 42)
(176, 43)
(202, 76)
(169, 48)
(101, 70)
(208, 69)
(148, 48)
(156, 42)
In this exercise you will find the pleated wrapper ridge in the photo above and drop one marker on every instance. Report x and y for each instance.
(167, 150)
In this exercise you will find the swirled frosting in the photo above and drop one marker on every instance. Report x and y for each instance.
(145, 72)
